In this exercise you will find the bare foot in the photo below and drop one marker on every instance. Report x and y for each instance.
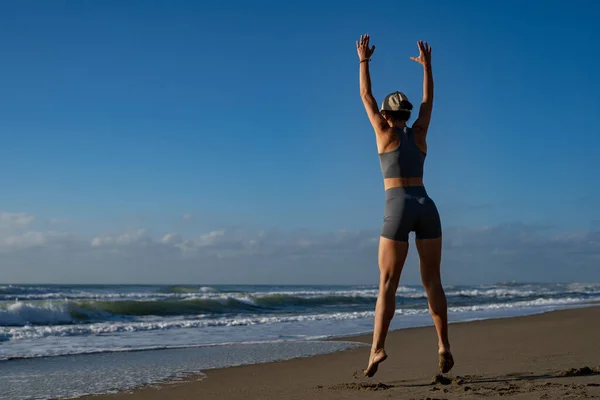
(445, 361)
(377, 356)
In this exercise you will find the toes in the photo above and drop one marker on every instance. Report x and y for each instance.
(370, 371)
(374, 361)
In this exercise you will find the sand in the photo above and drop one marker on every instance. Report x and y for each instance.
(555, 355)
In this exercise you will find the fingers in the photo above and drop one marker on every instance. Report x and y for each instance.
(424, 47)
(364, 40)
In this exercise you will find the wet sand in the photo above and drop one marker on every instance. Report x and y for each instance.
(554, 355)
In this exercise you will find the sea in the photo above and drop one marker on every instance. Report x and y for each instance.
(66, 341)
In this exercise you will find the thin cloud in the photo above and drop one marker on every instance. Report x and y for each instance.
(15, 219)
(505, 252)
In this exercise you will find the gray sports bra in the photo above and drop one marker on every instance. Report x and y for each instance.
(404, 161)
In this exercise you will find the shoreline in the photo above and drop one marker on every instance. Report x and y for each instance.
(233, 383)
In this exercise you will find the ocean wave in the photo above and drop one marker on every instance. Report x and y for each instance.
(20, 314)
(512, 290)
(188, 289)
(57, 313)
(207, 293)
(115, 327)
(34, 332)
(503, 290)
(64, 312)
(495, 293)
(213, 303)
(539, 302)
(12, 290)
(583, 288)
(183, 292)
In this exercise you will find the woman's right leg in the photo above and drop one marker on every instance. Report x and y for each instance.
(392, 255)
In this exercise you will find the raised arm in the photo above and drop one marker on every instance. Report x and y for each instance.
(421, 125)
(380, 125)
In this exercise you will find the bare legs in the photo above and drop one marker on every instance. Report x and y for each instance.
(430, 256)
(392, 255)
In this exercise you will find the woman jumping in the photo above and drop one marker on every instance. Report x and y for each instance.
(402, 152)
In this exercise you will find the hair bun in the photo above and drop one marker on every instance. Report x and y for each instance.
(406, 105)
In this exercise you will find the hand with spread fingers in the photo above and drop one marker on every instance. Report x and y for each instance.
(424, 53)
(362, 47)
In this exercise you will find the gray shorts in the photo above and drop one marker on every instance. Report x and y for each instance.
(410, 209)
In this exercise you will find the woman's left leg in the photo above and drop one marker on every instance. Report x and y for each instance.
(392, 255)
(430, 252)
(429, 246)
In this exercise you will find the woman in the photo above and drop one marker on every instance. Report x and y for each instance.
(402, 151)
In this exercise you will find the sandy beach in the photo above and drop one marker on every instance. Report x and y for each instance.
(546, 356)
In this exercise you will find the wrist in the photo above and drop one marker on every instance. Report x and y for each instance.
(364, 60)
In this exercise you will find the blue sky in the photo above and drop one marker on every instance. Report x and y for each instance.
(118, 118)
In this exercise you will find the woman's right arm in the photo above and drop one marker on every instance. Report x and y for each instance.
(379, 124)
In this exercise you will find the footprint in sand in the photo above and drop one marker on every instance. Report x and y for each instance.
(361, 386)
